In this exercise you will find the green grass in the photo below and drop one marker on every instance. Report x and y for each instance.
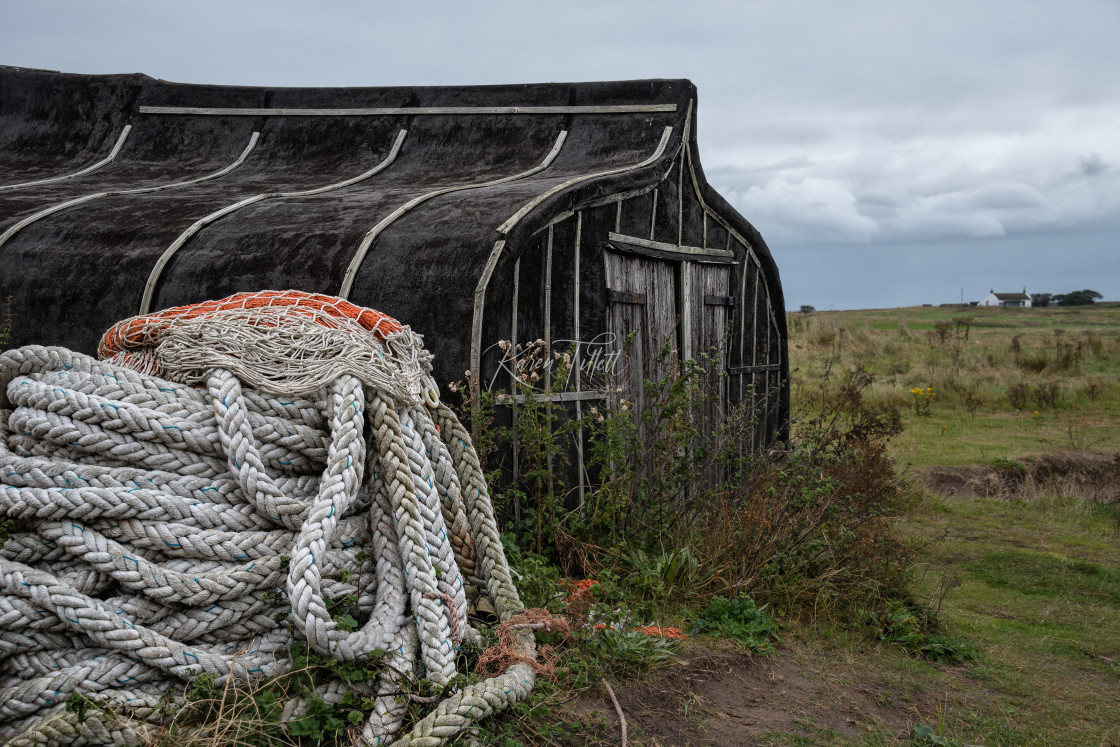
(1073, 353)
(1039, 595)
(1033, 584)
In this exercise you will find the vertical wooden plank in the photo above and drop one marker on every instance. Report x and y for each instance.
(652, 323)
(513, 379)
(687, 304)
(754, 320)
(710, 338)
(513, 320)
(741, 313)
(548, 335)
(548, 306)
(680, 196)
(769, 374)
(756, 399)
(753, 411)
(580, 470)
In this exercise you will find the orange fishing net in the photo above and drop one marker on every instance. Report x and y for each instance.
(144, 331)
(281, 342)
(509, 651)
(659, 632)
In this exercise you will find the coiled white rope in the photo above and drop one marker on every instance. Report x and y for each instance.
(153, 522)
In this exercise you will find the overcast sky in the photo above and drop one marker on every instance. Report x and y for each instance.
(891, 153)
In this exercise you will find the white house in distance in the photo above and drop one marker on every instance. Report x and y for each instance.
(1007, 299)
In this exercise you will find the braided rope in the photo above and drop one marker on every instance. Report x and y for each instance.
(154, 526)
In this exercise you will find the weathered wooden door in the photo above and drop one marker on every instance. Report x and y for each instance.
(709, 304)
(642, 320)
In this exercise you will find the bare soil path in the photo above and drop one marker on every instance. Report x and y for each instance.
(798, 696)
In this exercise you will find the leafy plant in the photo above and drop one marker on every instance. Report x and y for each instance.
(904, 627)
(1046, 394)
(741, 620)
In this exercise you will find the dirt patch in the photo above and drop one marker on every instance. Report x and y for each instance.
(728, 698)
(1093, 475)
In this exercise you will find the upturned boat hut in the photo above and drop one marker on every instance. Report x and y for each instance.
(486, 217)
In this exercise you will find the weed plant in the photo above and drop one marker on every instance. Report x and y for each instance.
(741, 620)
(684, 511)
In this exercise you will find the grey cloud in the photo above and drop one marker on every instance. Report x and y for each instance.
(1093, 164)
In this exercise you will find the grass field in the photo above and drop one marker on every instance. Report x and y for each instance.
(1063, 364)
(1034, 579)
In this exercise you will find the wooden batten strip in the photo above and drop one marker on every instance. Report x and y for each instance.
(135, 191)
(548, 344)
(754, 318)
(744, 270)
(198, 225)
(513, 377)
(686, 311)
(88, 169)
(373, 233)
(548, 307)
(766, 390)
(397, 111)
(615, 199)
(580, 469)
(513, 317)
(583, 396)
(663, 250)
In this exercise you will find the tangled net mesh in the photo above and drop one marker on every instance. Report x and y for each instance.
(164, 530)
(280, 342)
